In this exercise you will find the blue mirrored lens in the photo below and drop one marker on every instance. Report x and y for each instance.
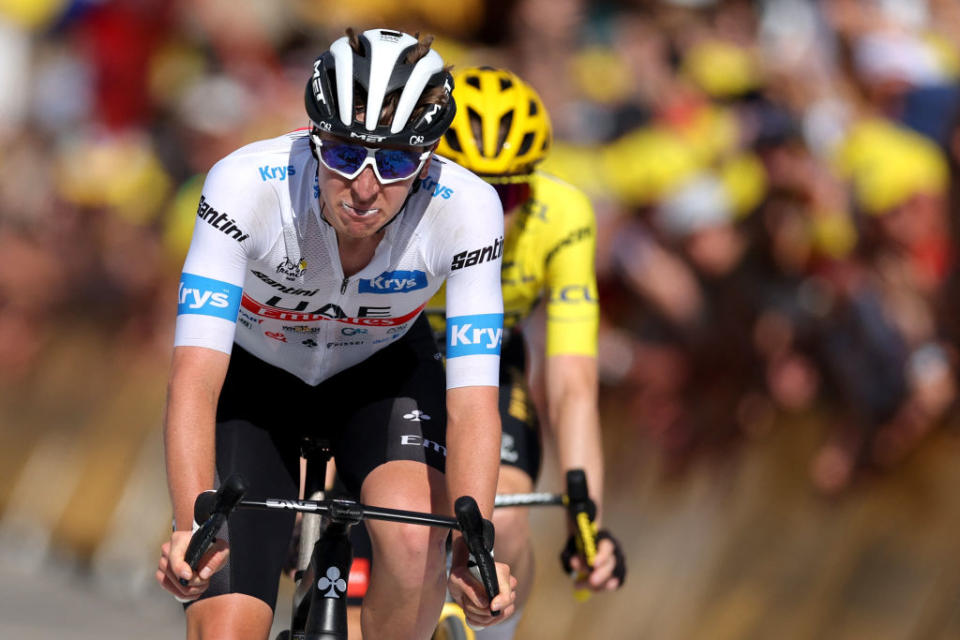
(397, 163)
(343, 157)
(392, 164)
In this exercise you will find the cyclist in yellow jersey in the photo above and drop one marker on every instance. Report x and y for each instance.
(548, 368)
(548, 390)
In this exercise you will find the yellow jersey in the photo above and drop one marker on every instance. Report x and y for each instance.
(549, 250)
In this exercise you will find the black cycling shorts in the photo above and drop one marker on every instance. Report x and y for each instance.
(519, 447)
(520, 441)
(388, 407)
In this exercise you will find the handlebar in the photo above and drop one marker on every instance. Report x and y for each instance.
(478, 534)
(212, 508)
(582, 512)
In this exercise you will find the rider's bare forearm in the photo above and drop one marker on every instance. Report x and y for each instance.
(573, 419)
(473, 445)
(188, 430)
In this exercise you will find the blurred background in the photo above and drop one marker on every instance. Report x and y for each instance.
(776, 186)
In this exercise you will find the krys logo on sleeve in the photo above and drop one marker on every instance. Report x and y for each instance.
(474, 335)
(208, 297)
(394, 282)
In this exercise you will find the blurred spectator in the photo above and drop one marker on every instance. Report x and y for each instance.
(775, 185)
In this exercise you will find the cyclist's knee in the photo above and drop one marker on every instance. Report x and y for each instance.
(512, 533)
(408, 552)
(227, 617)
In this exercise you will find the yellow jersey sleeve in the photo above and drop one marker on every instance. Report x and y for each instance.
(570, 277)
(549, 252)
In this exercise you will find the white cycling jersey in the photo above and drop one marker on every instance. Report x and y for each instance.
(264, 268)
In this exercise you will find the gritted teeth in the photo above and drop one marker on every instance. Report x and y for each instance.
(358, 211)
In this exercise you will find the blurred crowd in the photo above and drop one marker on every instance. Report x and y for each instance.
(775, 183)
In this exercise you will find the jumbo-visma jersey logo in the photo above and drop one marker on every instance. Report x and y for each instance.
(208, 297)
(394, 282)
(474, 335)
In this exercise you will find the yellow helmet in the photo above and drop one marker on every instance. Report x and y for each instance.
(501, 127)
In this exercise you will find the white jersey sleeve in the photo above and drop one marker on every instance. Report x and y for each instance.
(474, 299)
(224, 237)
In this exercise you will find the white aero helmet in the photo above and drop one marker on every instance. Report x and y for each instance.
(344, 79)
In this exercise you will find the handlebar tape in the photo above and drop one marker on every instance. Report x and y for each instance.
(212, 508)
(582, 511)
(478, 534)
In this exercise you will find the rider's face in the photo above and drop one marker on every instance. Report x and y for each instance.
(358, 208)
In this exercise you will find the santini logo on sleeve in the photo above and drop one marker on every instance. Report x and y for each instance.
(474, 335)
(208, 297)
(470, 258)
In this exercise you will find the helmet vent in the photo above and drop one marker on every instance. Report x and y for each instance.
(476, 125)
(505, 123)
(453, 140)
(505, 83)
(533, 108)
(473, 81)
(525, 144)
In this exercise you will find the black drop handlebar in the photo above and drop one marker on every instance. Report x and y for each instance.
(478, 535)
(582, 511)
(210, 511)
(212, 508)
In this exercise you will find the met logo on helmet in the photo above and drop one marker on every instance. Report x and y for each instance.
(390, 36)
(208, 297)
(367, 137)
(479, 334)
(317, 87)
(394, 282)
(431, 113)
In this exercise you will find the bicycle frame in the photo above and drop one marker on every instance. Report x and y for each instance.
(319, 604)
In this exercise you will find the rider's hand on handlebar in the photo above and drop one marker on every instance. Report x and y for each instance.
(468, 592)
(609, 566)
(172, 566)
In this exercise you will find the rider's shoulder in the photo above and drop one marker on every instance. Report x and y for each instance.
(265, 161)
(564, 201)
(257, 177)
(454, 187)
(460, 179)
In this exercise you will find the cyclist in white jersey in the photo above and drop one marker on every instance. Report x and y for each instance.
(300, 305)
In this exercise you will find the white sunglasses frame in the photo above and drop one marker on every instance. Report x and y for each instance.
(370, 160)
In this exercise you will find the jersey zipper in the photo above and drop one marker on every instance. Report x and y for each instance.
(343, 285)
